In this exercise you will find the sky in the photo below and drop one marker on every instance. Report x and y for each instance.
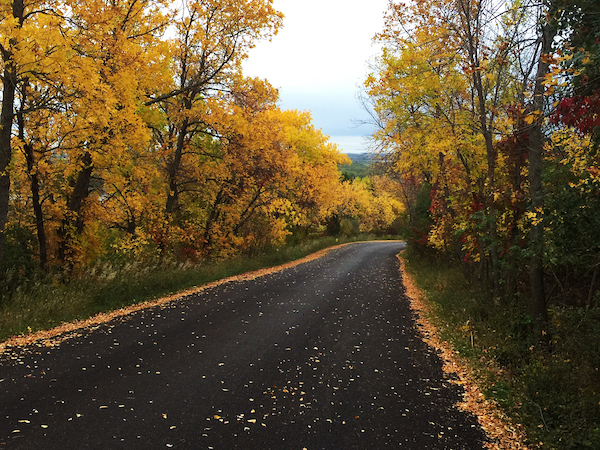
(319, 60)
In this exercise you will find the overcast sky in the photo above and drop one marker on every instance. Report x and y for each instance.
(319, 60)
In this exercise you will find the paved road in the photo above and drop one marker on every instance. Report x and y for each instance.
(321, 356)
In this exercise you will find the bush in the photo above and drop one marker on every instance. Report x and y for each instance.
(554, 391)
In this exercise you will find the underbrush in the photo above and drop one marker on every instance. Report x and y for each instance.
(40, 302)
(553, 391)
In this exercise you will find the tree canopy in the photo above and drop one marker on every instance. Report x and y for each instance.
(128, 128)
(492, 109)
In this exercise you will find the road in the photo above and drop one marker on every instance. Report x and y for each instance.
(325, 355)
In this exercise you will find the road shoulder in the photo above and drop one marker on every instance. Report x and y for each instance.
(504, 435)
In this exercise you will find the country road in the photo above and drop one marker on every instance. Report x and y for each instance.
(325, 355)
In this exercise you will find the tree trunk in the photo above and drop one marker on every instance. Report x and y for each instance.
(9, 85)
(34, 181)
(37, 206)
(472, 30)
(173, 171)
(213, 216)
(536, 142)
(73, 222)
(247, 214)
(6, 122)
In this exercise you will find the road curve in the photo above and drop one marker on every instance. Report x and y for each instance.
(325, 355)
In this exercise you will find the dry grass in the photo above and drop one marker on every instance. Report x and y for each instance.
(65, 331)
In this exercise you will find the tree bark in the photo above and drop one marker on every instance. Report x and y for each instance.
(37, 206)
(212, 218)
(34, 181)
(173, 170)
(6, 122)
(536, 142)
(73, 221)
(9, 85)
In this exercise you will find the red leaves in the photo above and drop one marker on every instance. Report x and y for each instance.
(581, 113)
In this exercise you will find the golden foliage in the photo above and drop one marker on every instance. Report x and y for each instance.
(137, 134)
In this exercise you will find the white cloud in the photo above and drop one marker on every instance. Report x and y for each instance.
(335, 111)
(320, 57)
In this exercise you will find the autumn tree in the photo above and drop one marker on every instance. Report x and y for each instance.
(131, 129)
(577, 21)
(460, 97)
(212, 38)
(19, 61)
(117, 61)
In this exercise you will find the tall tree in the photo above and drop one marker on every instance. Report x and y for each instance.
(33, 51)
(116, 55)
(460, 101)
(547, 32)
(213, 37)
(13, 16)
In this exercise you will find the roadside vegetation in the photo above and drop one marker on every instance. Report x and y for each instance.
(128, 130)
(136, 158)
(552, 389)
(42, 301)
(488, 115)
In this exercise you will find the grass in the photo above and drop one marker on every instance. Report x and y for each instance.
(45, 302)
(554, 392)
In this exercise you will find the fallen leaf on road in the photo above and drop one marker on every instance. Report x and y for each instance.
(68, 330)
(493, 421)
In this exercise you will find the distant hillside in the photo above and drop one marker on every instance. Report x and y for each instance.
(360, 167)
(362, 158)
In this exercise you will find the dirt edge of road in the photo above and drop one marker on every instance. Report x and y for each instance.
(68, 330)
(505, 435)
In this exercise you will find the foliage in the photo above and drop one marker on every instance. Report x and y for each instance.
(499, 127)
(553, 393)
(130, 132)
(488, 120)
(578, 19)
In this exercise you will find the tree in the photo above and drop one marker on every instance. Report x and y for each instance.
(123, 138)
(13, 17)
(213, 37)
(460, 101)
(577, 21)
(536, 145)
(117, 55)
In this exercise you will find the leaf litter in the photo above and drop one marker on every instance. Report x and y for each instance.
(491, 419)
(497, 425)
(65, 331)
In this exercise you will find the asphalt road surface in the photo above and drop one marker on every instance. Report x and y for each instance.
(325, 355)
